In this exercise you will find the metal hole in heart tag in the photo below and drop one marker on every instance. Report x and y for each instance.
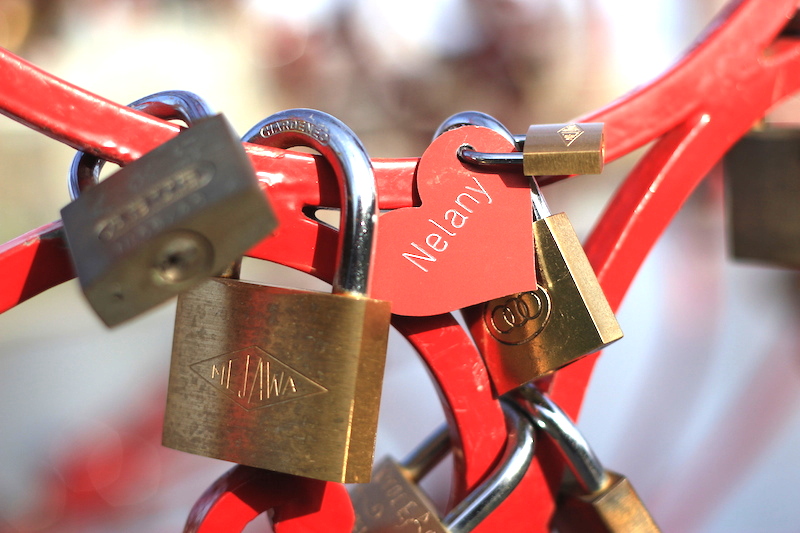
(469, 242)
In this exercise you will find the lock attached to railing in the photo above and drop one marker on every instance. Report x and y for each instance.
(153, 229)
(596, 500)
(762, 176)
(393, 502)
(526, 335)
(283, 379)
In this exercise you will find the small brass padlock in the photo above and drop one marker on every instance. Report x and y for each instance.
(596, 500)
(524, 336)
(762, 177)
(394, 503)
(153, 228)
(283, 379)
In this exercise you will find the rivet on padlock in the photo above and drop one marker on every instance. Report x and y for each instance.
(283, 379)
(153, 228)
(762, 178)
(393, 502)
(524, 336)
(597, 500)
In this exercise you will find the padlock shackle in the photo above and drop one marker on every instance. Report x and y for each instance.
(340, 146)
(512, 467)
(428, 453)
(574, 448)
(468, 155)
(478, 118)
(85, 169)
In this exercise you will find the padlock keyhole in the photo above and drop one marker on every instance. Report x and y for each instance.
(183, 257)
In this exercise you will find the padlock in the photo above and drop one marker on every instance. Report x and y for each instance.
(283, 379)
(526, 335)
(762, 177)
(394, 503)
(595, 500)
(548, 149)
(170, 219)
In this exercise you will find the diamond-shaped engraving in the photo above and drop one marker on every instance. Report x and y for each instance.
(253, 378)
(570, 133)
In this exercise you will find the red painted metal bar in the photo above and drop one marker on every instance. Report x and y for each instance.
(299, 504)
(731, 79)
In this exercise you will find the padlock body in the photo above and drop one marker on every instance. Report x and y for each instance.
(278, 379)
(556, 149)
(762, 175)
(170, 219)
(617, 508)
(527, 335)
(393, 503)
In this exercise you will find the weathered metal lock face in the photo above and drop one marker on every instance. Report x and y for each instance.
(595, 499)
(283, 379)
(762, 175)
(394, 503)
(170, 219)
(524, 336)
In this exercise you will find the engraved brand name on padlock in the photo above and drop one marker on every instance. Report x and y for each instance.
(392, 503)
(167, 192)
(253, 378)
(317, 132)
(518, 319)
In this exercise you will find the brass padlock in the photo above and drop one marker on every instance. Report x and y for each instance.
(284, 379)
(762, 177)
(595, 500)
(394, 503)
(153, 228)
(526, 335)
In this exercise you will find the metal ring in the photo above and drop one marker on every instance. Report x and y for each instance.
(579, 456)
(167, 105)
(511, 468)
(477, 118)
(342, 148)
(473, 157)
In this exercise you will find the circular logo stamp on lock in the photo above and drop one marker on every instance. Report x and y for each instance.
(519, 318)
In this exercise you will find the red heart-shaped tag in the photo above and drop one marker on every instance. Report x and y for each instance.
(463, 245)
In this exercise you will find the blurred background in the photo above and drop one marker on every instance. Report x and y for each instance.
(699, 404)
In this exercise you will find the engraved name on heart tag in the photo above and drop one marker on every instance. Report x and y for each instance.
(470, 241)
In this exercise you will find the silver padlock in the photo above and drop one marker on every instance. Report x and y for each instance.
(393, 502)
(176, 216)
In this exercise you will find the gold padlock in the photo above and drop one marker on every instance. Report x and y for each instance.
(560, 149)
(283, 379)
(524, 336)
(394, 503)
(595, 499)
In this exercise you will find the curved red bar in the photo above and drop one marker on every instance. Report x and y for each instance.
(299, 504)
